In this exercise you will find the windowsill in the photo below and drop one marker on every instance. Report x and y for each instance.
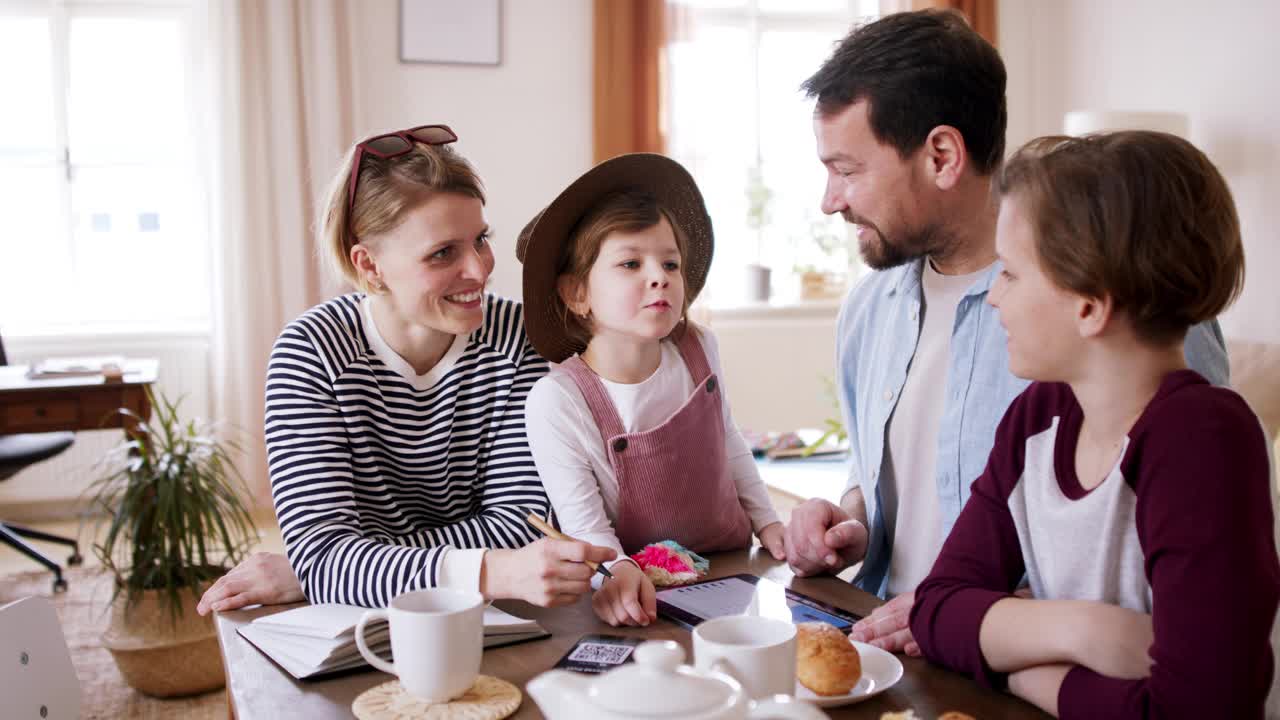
(777, 309)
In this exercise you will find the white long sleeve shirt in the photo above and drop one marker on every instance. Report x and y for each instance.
(572, 460)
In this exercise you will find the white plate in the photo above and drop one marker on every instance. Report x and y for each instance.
(880, 670)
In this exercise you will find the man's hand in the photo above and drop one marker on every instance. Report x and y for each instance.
(547, 572)
(773, 538)
(261, 578)
(888, 627)
(823, 538)
(627, 599)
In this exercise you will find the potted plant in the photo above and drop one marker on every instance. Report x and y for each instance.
(171, 500)
(758, 198)
(831, 257)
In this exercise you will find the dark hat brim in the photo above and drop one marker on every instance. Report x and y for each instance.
(541, 240)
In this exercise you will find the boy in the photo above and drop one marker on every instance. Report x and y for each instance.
(1134, 496)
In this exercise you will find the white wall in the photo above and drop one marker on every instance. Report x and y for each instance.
(1216, 62)
(525, 124)
(777, 364)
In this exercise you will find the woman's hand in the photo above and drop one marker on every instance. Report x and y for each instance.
(627, 599)
(547, 572)
(773, 538)
(261, 578)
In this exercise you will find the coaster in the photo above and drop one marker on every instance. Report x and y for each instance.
(489, 699)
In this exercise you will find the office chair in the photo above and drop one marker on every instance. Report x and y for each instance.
(16, 453)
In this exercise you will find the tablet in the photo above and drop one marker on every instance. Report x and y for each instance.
(746, 594)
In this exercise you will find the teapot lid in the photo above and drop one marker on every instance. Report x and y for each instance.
(658, 685)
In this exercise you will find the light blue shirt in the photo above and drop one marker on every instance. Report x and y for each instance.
(876, 338)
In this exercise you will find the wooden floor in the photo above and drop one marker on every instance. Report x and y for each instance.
(12, 561)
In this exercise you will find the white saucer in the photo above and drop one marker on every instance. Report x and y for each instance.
(880, 670)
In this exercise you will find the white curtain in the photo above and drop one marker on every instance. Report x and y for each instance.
(283, 82)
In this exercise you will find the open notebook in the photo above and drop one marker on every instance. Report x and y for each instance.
(321, 639)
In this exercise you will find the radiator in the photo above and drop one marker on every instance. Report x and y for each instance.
(54, 488)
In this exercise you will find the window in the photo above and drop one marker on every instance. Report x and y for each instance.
(102, 209)
(740, 123)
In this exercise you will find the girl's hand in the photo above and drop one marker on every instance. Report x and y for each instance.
(627, 599)
(261, 578)
(773, 538)
(547, 572)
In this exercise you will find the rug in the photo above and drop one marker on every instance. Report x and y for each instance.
(82, 610)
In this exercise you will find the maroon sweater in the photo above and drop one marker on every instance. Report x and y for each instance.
(1195, 498)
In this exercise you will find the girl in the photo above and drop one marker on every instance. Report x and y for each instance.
(631, 434)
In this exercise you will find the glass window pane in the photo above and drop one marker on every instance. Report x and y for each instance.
(131, 270)
(127, 95)
(28, 133)
(711, 4)
(800, 236)
(804, 6)
(35, 277)
(713, 134)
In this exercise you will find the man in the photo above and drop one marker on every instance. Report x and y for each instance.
(910, 120)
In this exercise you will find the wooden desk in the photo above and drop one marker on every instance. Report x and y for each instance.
(75, 403)
(258, 689)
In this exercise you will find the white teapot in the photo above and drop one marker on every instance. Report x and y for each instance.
(657, 686)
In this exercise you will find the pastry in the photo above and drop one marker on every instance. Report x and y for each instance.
(826, 662)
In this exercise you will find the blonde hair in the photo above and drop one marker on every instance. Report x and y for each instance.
(625, 211)
(388, 189)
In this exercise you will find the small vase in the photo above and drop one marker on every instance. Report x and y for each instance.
(757, 283)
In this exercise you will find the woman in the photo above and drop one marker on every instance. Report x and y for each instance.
(395, 416)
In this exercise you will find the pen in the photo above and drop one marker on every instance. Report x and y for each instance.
(551, 532)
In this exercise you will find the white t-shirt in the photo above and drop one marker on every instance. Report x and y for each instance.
(570, 452)
(907, 477)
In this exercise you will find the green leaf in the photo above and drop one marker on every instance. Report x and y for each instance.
(172, 504)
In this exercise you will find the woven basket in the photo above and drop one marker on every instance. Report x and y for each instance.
(159, 657)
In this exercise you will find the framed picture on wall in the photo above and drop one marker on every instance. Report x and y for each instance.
(449, 31)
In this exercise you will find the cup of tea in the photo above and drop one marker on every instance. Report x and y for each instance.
(437, 641)
(758, 652)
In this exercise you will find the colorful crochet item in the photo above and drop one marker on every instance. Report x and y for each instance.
(669, 563)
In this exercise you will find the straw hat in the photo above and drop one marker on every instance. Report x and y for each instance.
(542, 240)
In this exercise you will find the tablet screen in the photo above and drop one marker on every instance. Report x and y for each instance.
(746, 595)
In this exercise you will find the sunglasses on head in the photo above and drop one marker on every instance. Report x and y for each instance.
(391, 145)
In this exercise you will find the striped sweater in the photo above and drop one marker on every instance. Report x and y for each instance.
(383, 481)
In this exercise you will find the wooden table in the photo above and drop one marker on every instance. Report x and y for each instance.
(72, 403)
(257, 688)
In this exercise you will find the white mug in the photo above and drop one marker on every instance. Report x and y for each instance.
(758, 652)
(437, 640)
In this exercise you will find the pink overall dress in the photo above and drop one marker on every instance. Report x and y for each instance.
(673, 481)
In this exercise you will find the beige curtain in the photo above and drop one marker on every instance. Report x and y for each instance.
(981, 13)
(629, 38)
(284, 90)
